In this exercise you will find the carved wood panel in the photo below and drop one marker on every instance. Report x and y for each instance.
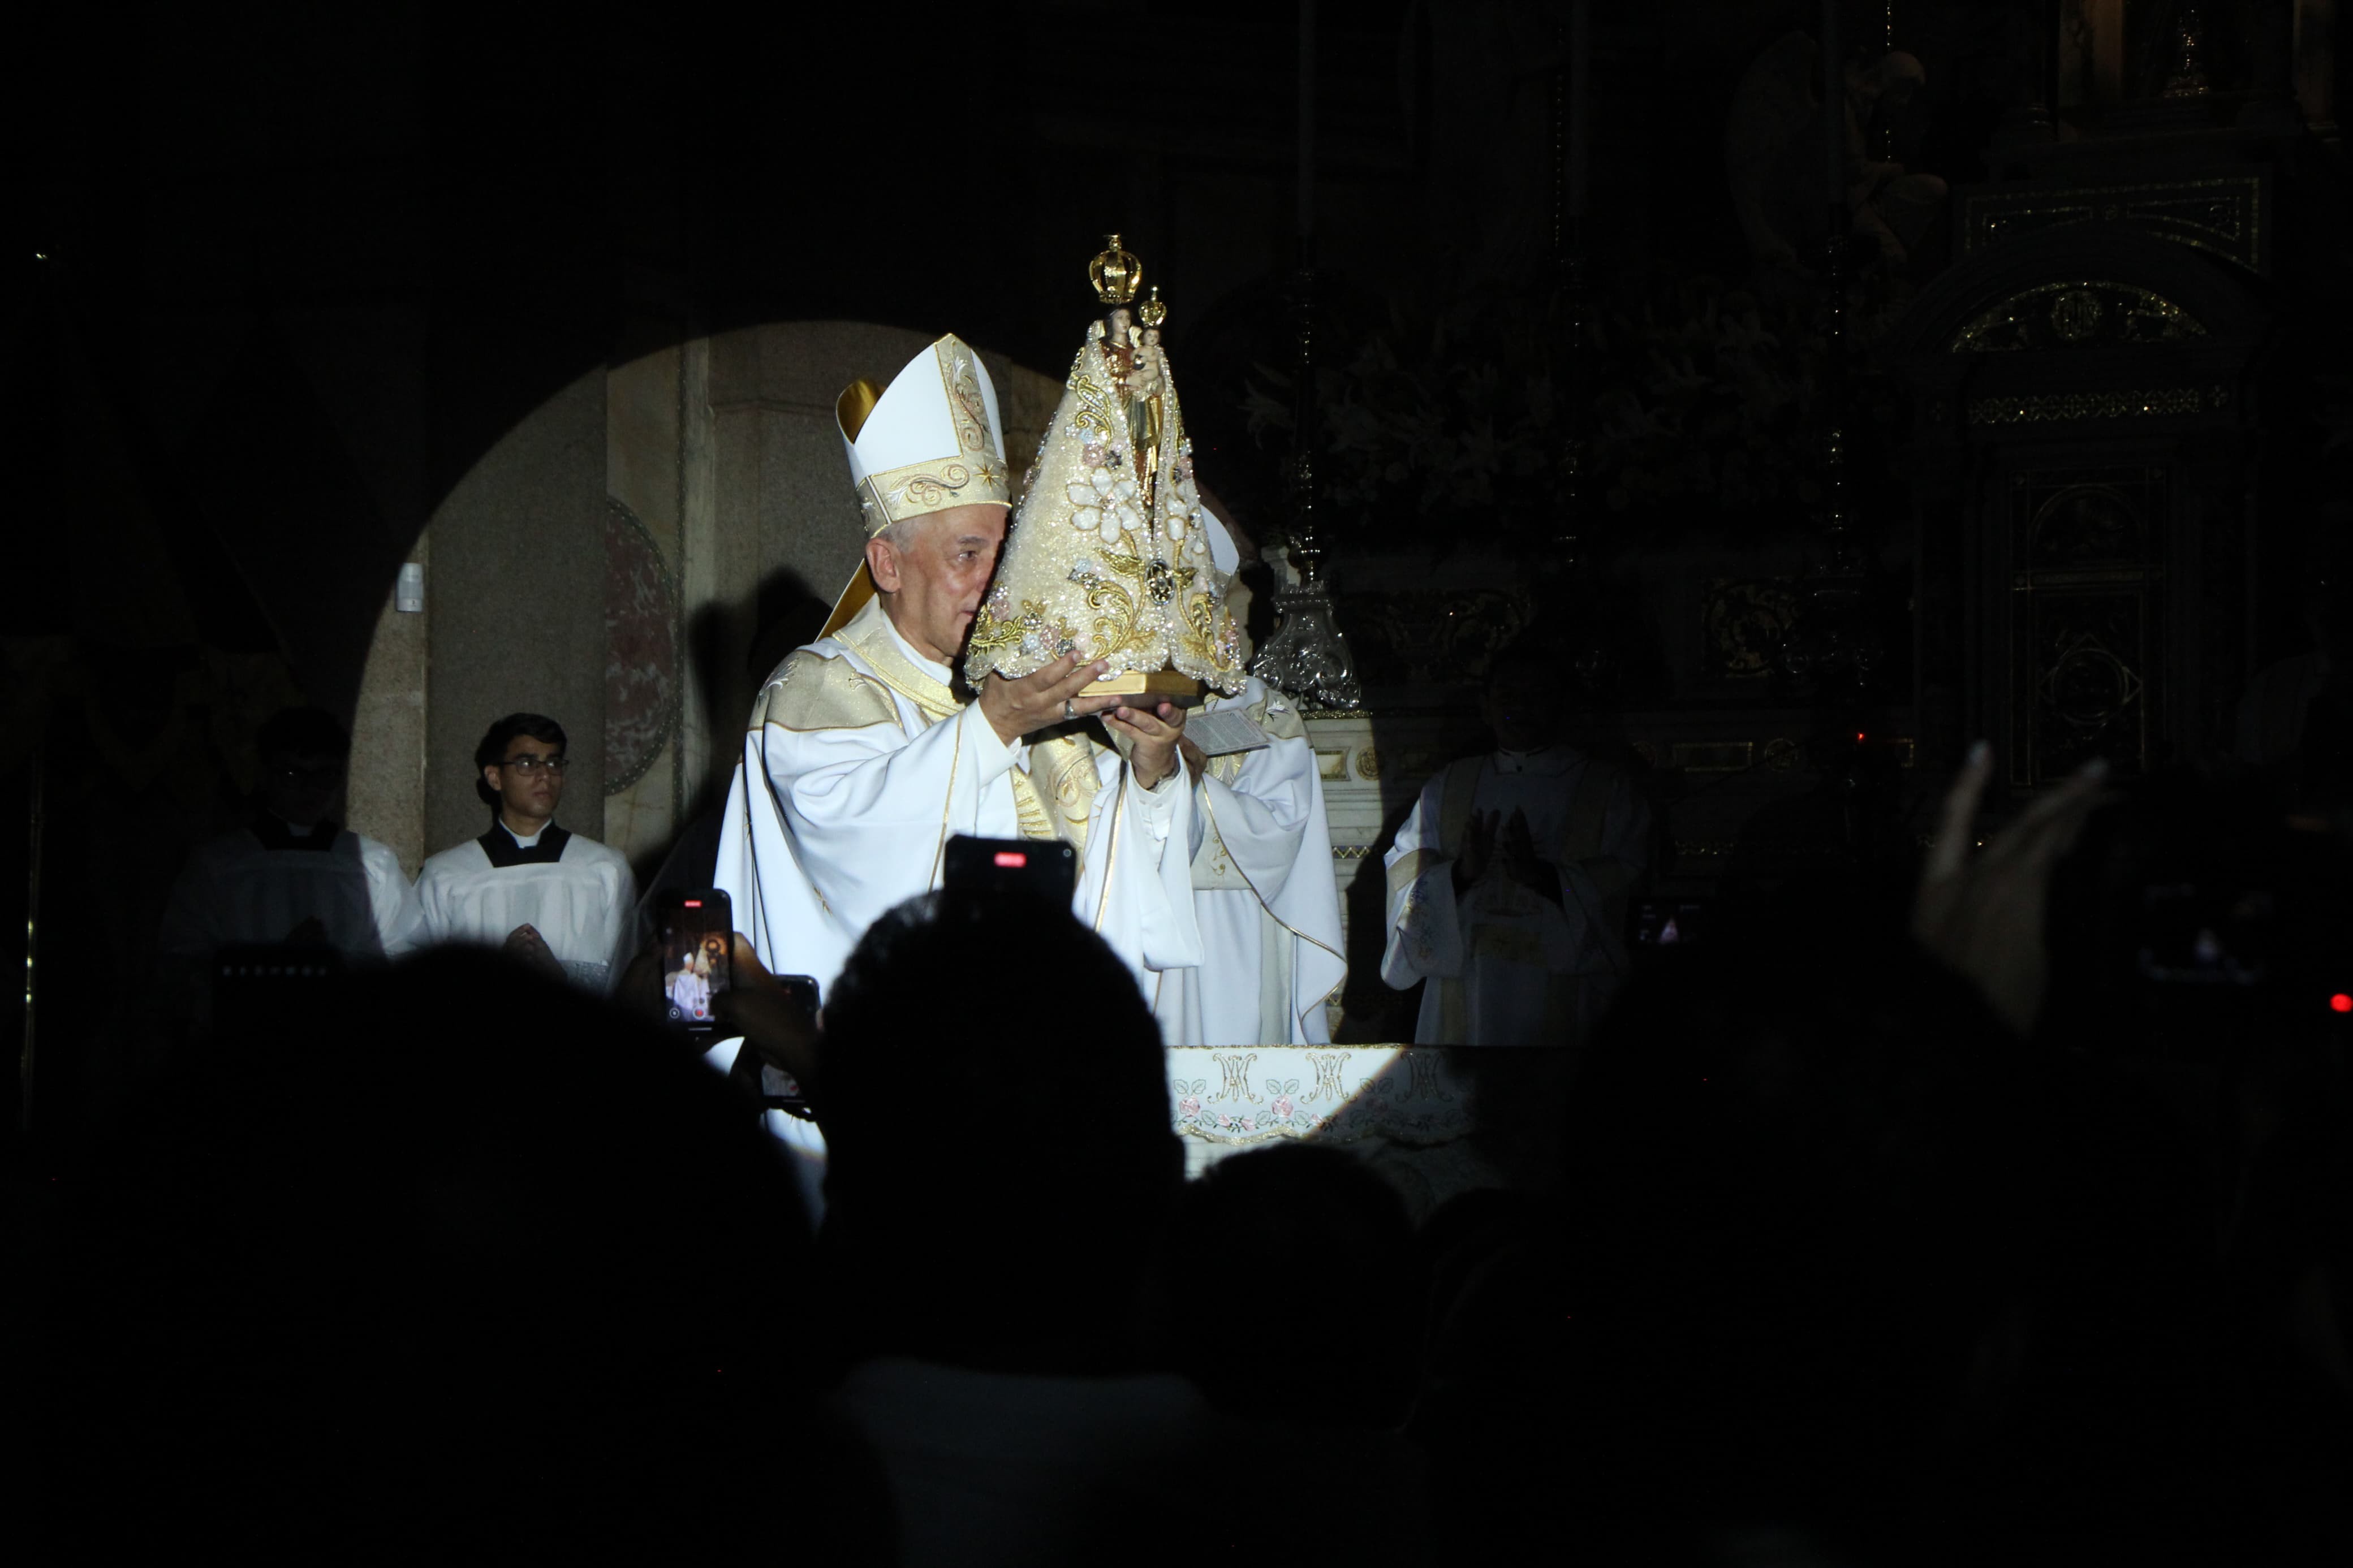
(2086, 641)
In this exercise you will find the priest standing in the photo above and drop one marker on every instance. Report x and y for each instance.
(1263, 891)
(861, 760)
(1507, 884)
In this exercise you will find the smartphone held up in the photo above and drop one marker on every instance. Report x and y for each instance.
(696, 931)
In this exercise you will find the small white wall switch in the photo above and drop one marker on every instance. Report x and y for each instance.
(408, 597)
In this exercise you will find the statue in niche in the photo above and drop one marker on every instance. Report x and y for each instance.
(1773, 158)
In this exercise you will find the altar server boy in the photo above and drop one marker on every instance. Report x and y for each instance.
(542, 892)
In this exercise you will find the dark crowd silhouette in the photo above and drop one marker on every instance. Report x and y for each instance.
(2015, 1230)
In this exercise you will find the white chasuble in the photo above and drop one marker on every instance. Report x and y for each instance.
(1264, 892)
(1506, 965)
(576, 893)
(860, 764)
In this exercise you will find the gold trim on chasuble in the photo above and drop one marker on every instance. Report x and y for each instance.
(1060, 761)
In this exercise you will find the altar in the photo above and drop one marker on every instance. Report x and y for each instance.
(1436, 1121)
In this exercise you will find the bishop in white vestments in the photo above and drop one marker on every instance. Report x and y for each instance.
(861, 760)
(1507, 884)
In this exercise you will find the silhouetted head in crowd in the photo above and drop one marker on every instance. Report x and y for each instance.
(1320, 1240)
(303, 755)
(1001, 1163)
(456, 1254)
(1800, 1206)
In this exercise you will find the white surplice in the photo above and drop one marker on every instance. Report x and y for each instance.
(1264, 893)
(859, 766)
(582, 900)
(1506, 965)
(257, 884)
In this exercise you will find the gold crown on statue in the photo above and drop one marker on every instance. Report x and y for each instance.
(1109, 555)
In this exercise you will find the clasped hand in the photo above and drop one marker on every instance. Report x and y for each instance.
(1494, 840)
(1050, 695)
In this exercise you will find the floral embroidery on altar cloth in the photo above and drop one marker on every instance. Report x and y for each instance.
(1331, 1093)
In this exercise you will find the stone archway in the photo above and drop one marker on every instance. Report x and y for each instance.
(620, 560)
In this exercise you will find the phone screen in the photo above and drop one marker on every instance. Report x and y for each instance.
(1044, 867)
(697, 965)
(1668, 924)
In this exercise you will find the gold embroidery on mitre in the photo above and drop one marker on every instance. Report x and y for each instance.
(973, 474)
(918, 489)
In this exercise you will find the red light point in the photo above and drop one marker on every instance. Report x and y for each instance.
(2340, 1003)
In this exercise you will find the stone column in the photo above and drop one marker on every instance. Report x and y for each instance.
(518, 608)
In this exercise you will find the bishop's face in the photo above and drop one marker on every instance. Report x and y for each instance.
(932, 585)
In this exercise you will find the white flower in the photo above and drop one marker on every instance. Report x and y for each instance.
(1111, 530)
(1129, 518)
(1029, 643)
(1080, 495)
(1101, 481)
(1124, 489)
(1086, 516)
(1175, 526)
(1083, 565)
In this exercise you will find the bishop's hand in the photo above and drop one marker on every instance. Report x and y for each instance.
(1048, 695)
(1156, 736)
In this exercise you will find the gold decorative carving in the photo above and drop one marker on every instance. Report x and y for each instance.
(1713, 757)
(2221, 215)
(1781, 754)
(1368, 763)
(1745, 623)
(1350, 851)
(2044, 408)
(1331, 764)
(2094, 313)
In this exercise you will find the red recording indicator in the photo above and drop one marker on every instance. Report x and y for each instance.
(693, 903)
(2340, 1003)
(1014, 858)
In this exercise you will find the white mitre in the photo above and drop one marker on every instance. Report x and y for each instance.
(930, 441)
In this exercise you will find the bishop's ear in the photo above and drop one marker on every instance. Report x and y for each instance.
(883, 562)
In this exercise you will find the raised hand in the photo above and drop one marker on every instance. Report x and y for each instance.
(1516, 843)
(1983, 915)
(1048, 695)
(1156, 735)
(1478, 849)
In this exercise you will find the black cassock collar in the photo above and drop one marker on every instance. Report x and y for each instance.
(500, 847)
(276, 834)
